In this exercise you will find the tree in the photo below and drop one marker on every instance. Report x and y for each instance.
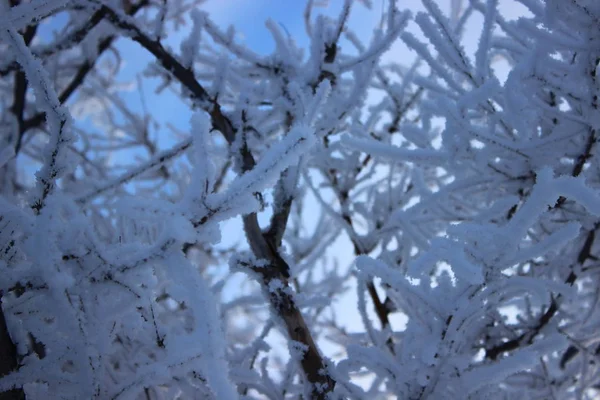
(470, 204)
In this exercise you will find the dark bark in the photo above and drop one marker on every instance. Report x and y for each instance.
(8, 358)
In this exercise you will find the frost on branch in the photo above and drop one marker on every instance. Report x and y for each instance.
(182, 216)
(503, 281)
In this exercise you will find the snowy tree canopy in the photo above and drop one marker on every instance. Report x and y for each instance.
(449, 208)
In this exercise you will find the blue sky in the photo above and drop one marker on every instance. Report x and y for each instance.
(249, 16)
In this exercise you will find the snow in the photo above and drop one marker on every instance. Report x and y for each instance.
(457, 206)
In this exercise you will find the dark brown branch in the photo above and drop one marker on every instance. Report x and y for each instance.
(526, 338)
(71, 40)
(281, 213)
(20, 91)
(580, 163)
(586, 155)
(283, 199)
(275, 277)
(584, 254)
(382, 309)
